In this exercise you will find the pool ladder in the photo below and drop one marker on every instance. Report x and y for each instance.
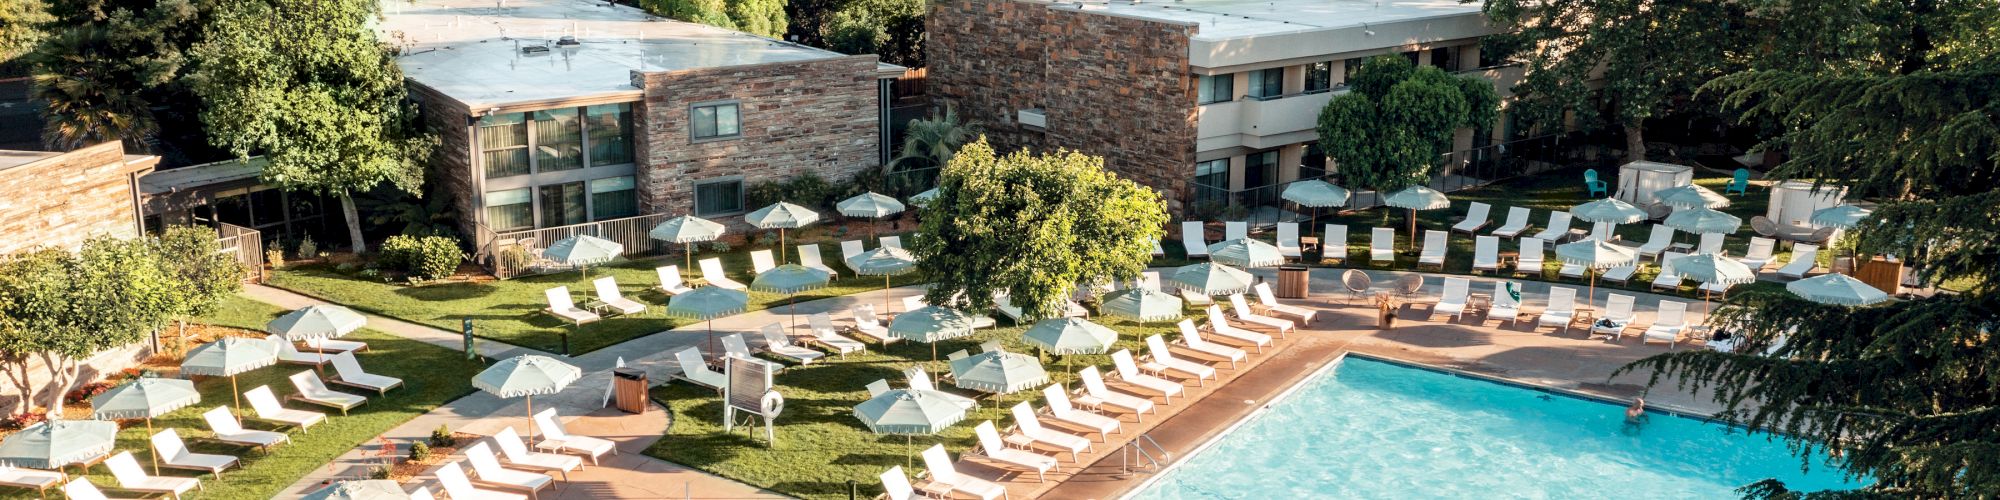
(1148, 463)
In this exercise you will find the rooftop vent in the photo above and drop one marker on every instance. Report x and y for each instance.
(567, 41)
(535, 49)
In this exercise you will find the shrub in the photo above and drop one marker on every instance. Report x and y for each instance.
(719, 246)
(768, 239)
(22, 420)
(81, 394)
(378, 472)
(422, 257)
(275, 257)
(443, 437)
(308, 249)
(808, 190)
(420, 452)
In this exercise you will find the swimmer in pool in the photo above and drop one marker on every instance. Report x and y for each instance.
(1635, 417)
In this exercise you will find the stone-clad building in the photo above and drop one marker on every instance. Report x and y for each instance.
(1213, 102)
(58, 200)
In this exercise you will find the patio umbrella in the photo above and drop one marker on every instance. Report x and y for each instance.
(229, 357)
(782, 216)
(145, 398)
(908, 412)
(1245, 252)
(1711, 268)
(1610, 210)
(1316, 193)
(1417, 198)
(1836, 288)
(1702, 220)
(1069, 336)
(1691, 196)
(1594, 254)
(369, 489)
(1210, 278)
(924, 198)
(583, 250)
(1841, 216)
(1143, 304)
(998, 372)
(56, 443)
(315, 322)
(526, 376)
(885, 262)
(789, 279)
(869, 205)
(687, 230)
(706, 304)
(930, 324)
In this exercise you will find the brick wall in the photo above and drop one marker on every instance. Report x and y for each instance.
(1111, 86)
(451, 171)
(61, 200)
(814, 116)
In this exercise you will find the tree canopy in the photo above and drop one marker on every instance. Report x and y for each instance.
(105, 65)
(63, 308)
(1390, 130)
(758, 17)
(1034, 226)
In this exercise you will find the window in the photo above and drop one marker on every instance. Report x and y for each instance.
(509, 210)
(562, 204)
(503, 145)
(718, 197)
(1260, 169)
(715, 121)
(1490, 56)
(610, 134)
(1352, 66)
(267, 208)
(613, 197)
(1266, 83)
(1216, 88)
(1319, 76)
(1312, 165)
(558, 140)
(1445, 58)
(1211, 181)
(1412, 56)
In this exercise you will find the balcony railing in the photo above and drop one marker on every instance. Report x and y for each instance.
(1457, 171)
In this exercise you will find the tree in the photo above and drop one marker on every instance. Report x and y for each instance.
(930, 142)
(1033, 226)
(104, 66)
(202, 274)
(305, 83)
(1615, 63)
(64, 308)
(1390, 130)
(21, 27)
(764, 18)
(709, 12)
(34, 306)
(893, 29)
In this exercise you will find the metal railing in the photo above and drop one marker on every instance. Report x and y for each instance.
(512, 254)
(1458, 170)
(246, 245)
(1147, 462)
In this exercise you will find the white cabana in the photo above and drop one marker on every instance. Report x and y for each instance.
(1793, 202)
(1640, 182)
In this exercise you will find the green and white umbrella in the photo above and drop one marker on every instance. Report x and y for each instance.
(1841, 216)
(790, 279)
(1143, 304)
(368, 489)
(782, 216)
(687, 230)
(229, 357)
(1610, 210)
(1210, 278)
(924, 198)
(1315, 194)
(1711, 268)
(1703, 220)
(930, 324)
(885, 262)
(706, 304)
(1416, 198)
(1245, 252)
(908, 412)
(870, 205)
(56, 443)
(1067, 336)
(1838, 289)
(998, 372)
(583, 250)
(526, 376)
(146, 397)
(314, 322)
(1691, 196)
(1594, 254)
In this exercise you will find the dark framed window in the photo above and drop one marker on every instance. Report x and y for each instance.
(562, 204)
(613, 197)
(1260, 169)
(558, 140)
(1211, 181)
(1445, 58)
(1319, 76)
(714, 121)
(1267, 83)
(1350, 67)
(1412, 56)
(503, 145)
(1312, 165)
(722, 197)
(610, 128)
(509, 210)
(1216, 88)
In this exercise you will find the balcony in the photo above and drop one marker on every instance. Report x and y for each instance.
(1504, 76)
(1260, 123)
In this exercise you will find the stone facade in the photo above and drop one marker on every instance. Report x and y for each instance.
(1111, 86)
(451, 169)
(60, 200)
(818, 116)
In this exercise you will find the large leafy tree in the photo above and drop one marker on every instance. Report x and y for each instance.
(34, 307)
(1035, 226)
(1390, 130)
(63, 308)
(201, 273)
(758, 17)
(305, 83)
(893, 29)
(105, 66)
(21, 27)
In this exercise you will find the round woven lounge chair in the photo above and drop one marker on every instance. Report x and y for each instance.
(1409, 285)
(1763, 226)
(1357, 283)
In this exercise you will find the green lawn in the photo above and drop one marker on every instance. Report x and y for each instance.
(510, 310)
(431, 376)
(820, 445)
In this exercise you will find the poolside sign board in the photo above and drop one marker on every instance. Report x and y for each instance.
(469, 352)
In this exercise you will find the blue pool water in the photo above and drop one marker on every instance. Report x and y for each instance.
(1373, 429)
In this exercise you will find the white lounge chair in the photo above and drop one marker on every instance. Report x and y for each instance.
(1158, 251)
(173, 454)
(1618, 315)
(1530, 260)
(1711, 243)
(1191, 337)
(1061, 410)
(226, 429)
(347, 371)
(1602, 231)
(1759, 253)
(289, 353)
(1561, 309)
(1668, 324)
(996, 449)
(896, 484)
(670, 280)
(921, 380)
(1268, 302)
(515, 451)
(810, 259)
(1517, 223)
(459, 487)
(1506, 304)
(1333, 247)
(1476, 217)
(877, 387)
(607, 292)
(892, 242)
(1162, 361)
(33, 479)
(941, 472)
(487, 466)
(829, 338)
(421, 493)
(1243, 314)
(1128, 371)
(267, 408)
(1620, 274)
(126, 470)
(1804, 258)
(1661, 238)
(1571, 270)
(1096, 395)
(1558, 227)
(312, 391)
(761, 260)
(562, 306)
(1486, 254)
(868, 326)
(779, 344)
(1382, 245)
(1668, 279)
(1235, 230)
(1434, 249)
(557, 439)
(1452, 301)
(848, 250)
(734, 346)
(82, 489)
(335, 346)
(1028, 425)
(1194, 239)
(711, 272)
(1223, 329)
(1288, 240)
(694, 368)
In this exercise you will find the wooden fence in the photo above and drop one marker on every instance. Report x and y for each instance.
(247, 245)
(518, 253)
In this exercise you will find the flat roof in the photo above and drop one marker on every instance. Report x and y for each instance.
(11, 158)
(471, 50)
(1227, 19)
(194, 176)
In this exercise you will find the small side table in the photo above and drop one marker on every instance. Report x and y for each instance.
(1479, 302)
(1308, 244)
(1677, 248)
(596, 306)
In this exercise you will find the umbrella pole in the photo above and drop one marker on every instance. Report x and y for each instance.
(531, 418)
(233, 392)
(155, 454)
(909, 447)
(781, 246)
(885, 295)
(687, 249)
(1413, 230)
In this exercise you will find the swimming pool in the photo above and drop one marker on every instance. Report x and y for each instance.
(1376, 429)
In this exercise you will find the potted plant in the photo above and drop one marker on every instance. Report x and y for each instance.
(1386, 305)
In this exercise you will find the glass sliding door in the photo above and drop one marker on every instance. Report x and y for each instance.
(558, 140)
(562, 204)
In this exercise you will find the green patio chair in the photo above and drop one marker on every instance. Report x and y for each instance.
(1597, 187)
(1740, 184)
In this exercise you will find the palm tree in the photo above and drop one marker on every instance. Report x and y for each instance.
(85, 102)
(929, 142)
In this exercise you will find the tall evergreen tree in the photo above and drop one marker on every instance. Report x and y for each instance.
(104, 65)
